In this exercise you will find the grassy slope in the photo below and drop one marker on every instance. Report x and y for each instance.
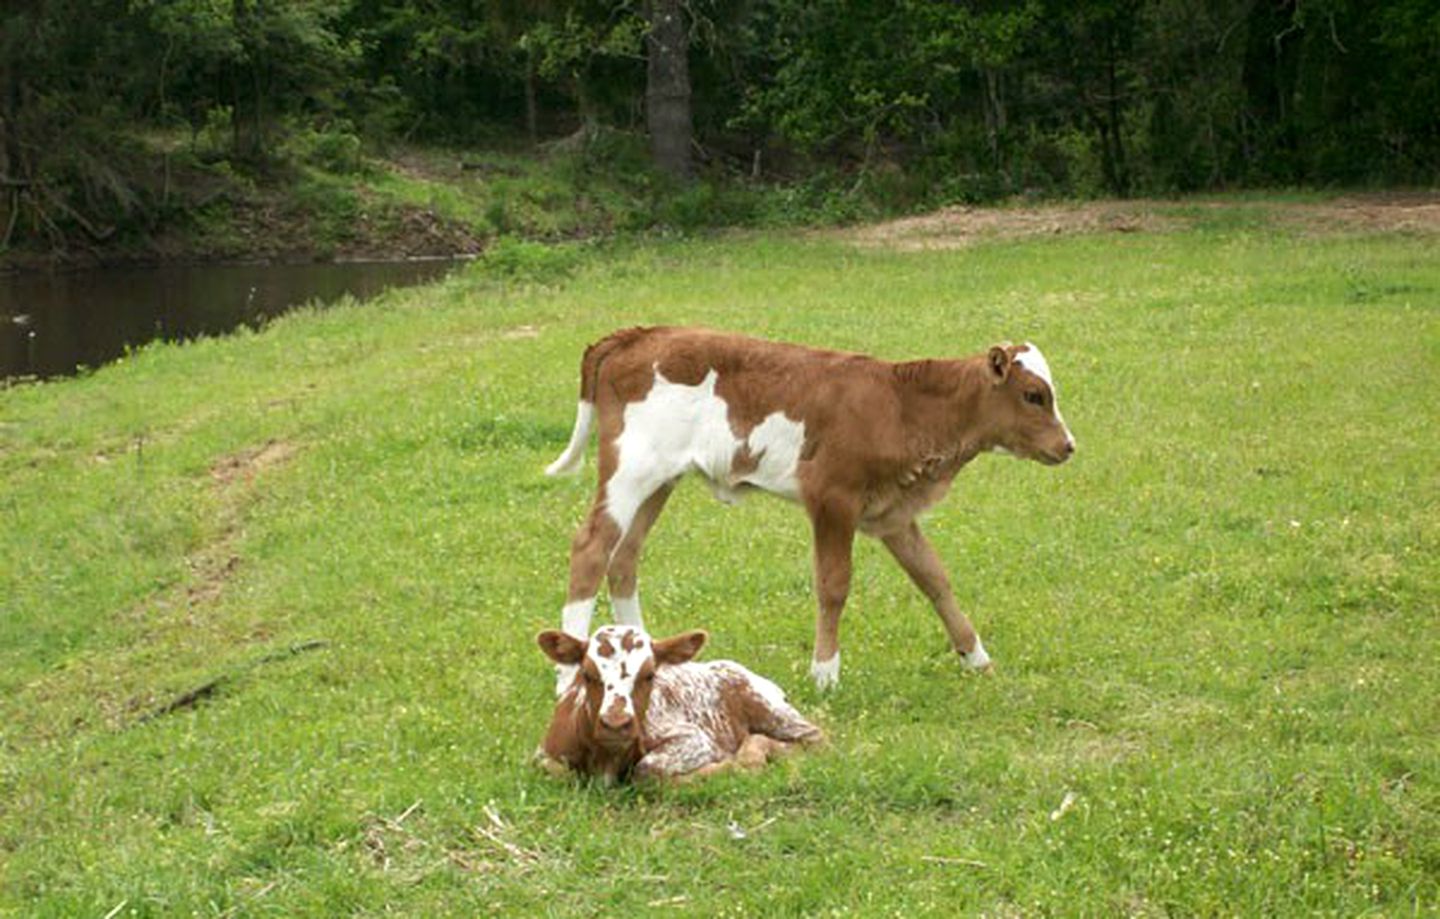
(1216, 627)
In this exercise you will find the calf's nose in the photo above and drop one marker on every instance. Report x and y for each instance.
(616, 720)
(1069, 446)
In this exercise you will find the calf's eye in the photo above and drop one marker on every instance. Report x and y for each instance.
(1035, 398)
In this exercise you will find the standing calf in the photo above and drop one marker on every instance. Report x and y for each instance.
(640, 708)
(863, 444)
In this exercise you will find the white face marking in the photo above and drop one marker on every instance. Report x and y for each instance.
(619, 668)
(1033, 361)
(574, 454)
(677, 428)
(826, 673)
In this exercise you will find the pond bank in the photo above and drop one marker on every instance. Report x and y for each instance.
(52, 324)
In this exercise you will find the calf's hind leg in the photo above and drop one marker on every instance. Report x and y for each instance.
(620, 504)
(624, 587)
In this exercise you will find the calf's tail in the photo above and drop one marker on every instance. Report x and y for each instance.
(569, 462)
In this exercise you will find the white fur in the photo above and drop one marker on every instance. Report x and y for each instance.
(575, 620)
(767, 690)
(826, 673)
(977, 659)
(619, 670)
(564, 678)
(1033, 361)
(574, 455)
(627, 610)
(677, 429)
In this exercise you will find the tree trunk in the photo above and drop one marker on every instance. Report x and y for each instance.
(1120, 183)
(532, 118)
(10, 167)
(667, 88)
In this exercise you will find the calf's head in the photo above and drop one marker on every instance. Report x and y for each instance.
(1025, 418)
(616, 675)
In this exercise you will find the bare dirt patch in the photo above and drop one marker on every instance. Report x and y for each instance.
(958, 227)
(248, 463)
(1393, 212)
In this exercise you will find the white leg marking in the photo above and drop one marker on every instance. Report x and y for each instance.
(826, 673)
(574, 454)
(977, 659)
(575, 620)
(627, 610)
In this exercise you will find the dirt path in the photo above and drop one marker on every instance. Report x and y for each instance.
(956, 227)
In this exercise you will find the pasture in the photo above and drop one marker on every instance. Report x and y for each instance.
(269, 601)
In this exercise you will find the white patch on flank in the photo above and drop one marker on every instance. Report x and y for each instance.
(1035, 362)
(677, 429)
(977, 658)
(776, 441)
(574, 454)
(826, 673)
(627, 610)
(619, 669)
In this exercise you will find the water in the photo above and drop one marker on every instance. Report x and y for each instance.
(53, 324)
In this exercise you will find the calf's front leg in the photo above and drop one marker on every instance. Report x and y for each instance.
(682, 754)
(834, 528)
(919, 560)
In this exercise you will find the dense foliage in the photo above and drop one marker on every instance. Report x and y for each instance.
(918, 100)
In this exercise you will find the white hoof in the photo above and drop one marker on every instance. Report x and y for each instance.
(977, 659)
(826, 674)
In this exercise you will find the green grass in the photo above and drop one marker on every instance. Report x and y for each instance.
(1216, 627)
(552, 197)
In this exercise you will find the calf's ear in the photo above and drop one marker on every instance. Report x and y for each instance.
(679, 648)
(561, 647)
(999, 360)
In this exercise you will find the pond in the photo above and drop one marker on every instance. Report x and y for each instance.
(52, 324)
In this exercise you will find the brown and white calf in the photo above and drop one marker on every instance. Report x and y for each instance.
(863, 444)
(641, 708)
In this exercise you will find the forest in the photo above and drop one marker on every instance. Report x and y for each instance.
(110, 108)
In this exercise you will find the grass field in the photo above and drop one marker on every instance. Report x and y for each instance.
(1215, 629)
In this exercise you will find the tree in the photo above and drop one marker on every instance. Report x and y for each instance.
(667, 87)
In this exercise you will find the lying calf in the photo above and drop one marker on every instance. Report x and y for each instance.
(639, 708)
